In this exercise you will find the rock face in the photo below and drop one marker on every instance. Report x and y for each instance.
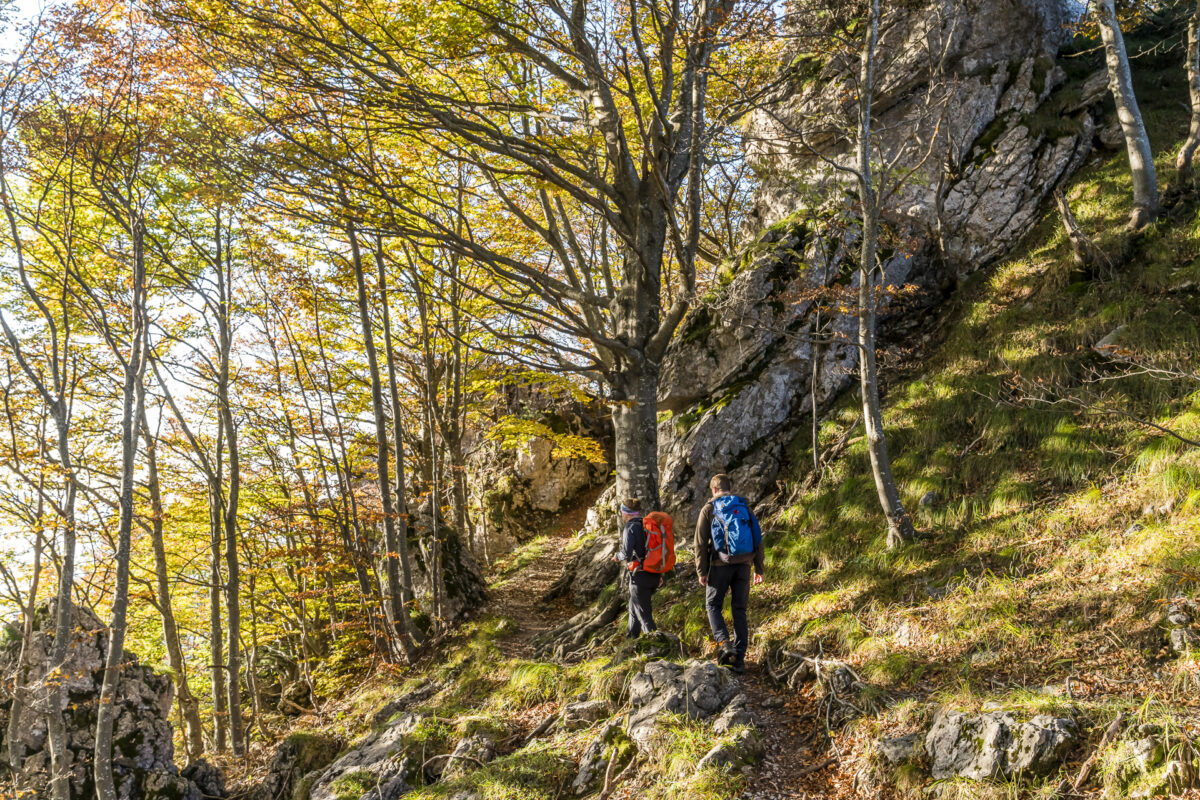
(739, 375)
(292, 767)
(523, 483)
(697, 690)
(460, 572)
(143, 744)
(995, 745)
(380, 760)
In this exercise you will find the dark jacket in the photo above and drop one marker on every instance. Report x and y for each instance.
(633, 541)
(704, 545)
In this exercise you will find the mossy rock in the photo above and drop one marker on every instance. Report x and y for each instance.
(314, 751)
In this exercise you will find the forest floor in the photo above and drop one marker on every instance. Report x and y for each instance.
(797, 764)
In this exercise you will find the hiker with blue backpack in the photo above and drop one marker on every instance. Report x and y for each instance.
(728, 543)
(648, 550)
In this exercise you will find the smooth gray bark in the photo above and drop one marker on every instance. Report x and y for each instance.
(900, 526)
(396, 612)
(132, 400)
(229, 518)
(189, 706)
(1183, 162)
(54, 391)
(400, 488)
(1137, 141)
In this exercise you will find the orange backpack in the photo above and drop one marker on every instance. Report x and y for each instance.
(660, 542)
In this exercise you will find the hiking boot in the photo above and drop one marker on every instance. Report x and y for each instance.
(739, 664)
(726, 657)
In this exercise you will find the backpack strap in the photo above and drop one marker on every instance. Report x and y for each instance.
(717, 523)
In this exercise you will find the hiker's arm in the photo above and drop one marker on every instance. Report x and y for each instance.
(626, 553)
(703, 532)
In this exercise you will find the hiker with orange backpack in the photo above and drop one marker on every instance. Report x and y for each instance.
(648, 550)
(728, 541)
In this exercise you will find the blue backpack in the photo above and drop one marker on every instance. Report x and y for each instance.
(732, 531)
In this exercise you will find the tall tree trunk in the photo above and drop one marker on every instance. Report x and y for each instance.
(216, 644)
(372, 598)
(433, 547)
(1184, 162)
(224, 265)
(132, 399)
(189, 706)
(400, 489)
(900, 526)
(1137, 142)
(635, 432)
(396, 612)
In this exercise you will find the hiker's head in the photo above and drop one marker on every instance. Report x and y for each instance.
(631, 507)
(720, 484)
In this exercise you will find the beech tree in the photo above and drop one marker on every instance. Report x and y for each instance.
(1192, 65)
(585, 127)
(52, 371)
(1137, 141)
(900, 527)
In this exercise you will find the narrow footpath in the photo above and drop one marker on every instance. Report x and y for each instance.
(797, 764)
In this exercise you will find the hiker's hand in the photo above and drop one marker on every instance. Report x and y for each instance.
(703, 581)
(758, 579)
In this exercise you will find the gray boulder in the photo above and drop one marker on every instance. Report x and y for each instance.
(697, 690)
(296, 757)
(464, 585)
(610, 743)
(470, 753)
(897, 750)
(996, 745)
(736, 714)
(143, 742)
(380, 759)
(583, 713)
(739, 755)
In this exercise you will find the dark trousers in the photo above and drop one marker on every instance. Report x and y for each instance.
(734, 579)
(642, 586)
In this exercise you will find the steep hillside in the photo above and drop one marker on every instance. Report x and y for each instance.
(1046, 438)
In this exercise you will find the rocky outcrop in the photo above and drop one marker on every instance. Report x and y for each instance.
(293, 767)
(1149, 763)
(610, 745)
(995, 745)
(379, 763)
(143, 743)
(529, 464)
(461, 576)
(971, 83)
(1008, 126)
(697, 690)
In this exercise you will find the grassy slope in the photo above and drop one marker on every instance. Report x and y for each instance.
(1057, 533)
(1040, 561)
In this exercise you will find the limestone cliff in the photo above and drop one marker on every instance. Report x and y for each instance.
(975, 103)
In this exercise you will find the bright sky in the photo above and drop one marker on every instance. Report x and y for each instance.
(17, 12)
